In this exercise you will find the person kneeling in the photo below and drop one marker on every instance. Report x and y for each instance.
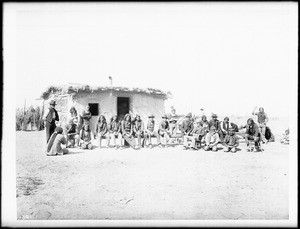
(212, 139)
(86, 137)
(231, 141)
(54, 143)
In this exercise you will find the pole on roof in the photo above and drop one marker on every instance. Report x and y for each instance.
(110, 79)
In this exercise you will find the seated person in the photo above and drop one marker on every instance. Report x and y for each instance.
(224, 126)
(138, 130)
(127, 131)
(54, 144)
(163, 130)
(212, 139)
(86, 115)
(196, 136)
(205, 125)
(72, 134)
(234, 126)
(231, 141)
(150, 132)
(286, 137)
(252, 133)
(101, 129)
(85, 137)
(216, 123)
(187, 125)
(114, 132)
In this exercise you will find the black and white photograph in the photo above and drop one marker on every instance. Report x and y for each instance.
(150, 114)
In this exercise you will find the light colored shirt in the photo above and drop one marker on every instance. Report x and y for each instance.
(212, 139)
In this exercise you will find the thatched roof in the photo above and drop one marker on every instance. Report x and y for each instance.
(71, 89)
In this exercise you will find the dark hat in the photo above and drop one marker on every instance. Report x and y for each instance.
(214, 115)
(189, 115)
(164, 116)
(52, 102)
(151, 116)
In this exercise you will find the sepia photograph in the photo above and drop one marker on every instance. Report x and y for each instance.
(150, 114)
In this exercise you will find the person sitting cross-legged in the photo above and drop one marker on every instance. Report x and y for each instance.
(212, 139)
(55, 141)
(85, 137)
(231, 141)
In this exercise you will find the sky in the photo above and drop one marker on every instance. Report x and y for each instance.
(225, 58)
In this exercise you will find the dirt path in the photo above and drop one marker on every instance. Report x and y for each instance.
(151, 183)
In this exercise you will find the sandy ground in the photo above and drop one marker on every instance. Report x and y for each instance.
(150, 183)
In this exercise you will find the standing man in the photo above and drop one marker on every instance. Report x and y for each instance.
(262, 119)
(49, 118)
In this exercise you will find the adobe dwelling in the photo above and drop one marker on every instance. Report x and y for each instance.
(106, 101)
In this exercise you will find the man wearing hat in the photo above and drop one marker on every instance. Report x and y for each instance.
(187, 125)
(164, 129)
(150, 132)
(231, 141)
(216, 123)
(49, 118)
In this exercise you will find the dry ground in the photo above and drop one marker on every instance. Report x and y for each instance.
(150, 183)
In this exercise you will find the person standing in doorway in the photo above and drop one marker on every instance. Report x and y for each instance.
(50, 117)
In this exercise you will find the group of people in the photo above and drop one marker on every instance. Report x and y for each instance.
(196, 133)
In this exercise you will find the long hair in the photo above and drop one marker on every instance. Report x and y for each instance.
(99, 119)
(112, 118)
(58, 130)
(73, 110)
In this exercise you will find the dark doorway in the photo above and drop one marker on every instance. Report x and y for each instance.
(122, 106)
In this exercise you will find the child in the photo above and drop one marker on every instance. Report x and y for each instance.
(86, 137)
(212, 139)
(150, 132)
(72, 135)
(138, 130)
(163, 129)
(127, 131)
(54, 143)
(101, 129)
(114, 132)
(231, 141)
